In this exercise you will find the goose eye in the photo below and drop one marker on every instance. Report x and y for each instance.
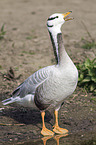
(56, 16)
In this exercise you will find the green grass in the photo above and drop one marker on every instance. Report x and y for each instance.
(87, 75)
(88, 44)
(16, 68)
(0, 66)
(2, 32)
(29, 37)
(93, 99)
(28, 52)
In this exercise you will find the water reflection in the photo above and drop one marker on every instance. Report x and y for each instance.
(52, 140)
(56, 137)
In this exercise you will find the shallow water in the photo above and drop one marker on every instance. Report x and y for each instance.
(75, 139)
(55, 140)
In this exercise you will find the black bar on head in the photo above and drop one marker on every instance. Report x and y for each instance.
(52, 18)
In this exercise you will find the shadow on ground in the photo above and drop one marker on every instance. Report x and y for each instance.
(25, 115)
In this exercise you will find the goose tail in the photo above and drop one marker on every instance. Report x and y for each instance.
(9, 101)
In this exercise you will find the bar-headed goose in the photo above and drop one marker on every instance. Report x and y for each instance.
(48, 87)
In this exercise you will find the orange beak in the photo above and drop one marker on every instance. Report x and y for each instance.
(66, 16)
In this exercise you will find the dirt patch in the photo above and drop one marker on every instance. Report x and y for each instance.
(25, 48)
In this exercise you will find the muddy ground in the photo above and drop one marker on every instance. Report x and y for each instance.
(25, 48)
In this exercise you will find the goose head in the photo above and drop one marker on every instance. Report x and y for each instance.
(56, 20)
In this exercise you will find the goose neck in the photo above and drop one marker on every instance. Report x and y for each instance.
(58, 47)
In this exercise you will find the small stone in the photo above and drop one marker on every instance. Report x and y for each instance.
(34, 132)
(16, 139)
(10, 139)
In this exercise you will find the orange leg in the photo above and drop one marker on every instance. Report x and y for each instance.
(45, 138)
(57, 137)
(45, 131)
(57, 129)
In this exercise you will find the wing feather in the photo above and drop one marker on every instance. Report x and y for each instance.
(31, 83)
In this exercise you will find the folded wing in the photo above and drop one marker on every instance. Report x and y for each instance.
(31, 83)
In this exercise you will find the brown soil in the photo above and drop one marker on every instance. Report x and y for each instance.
(25, 48)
